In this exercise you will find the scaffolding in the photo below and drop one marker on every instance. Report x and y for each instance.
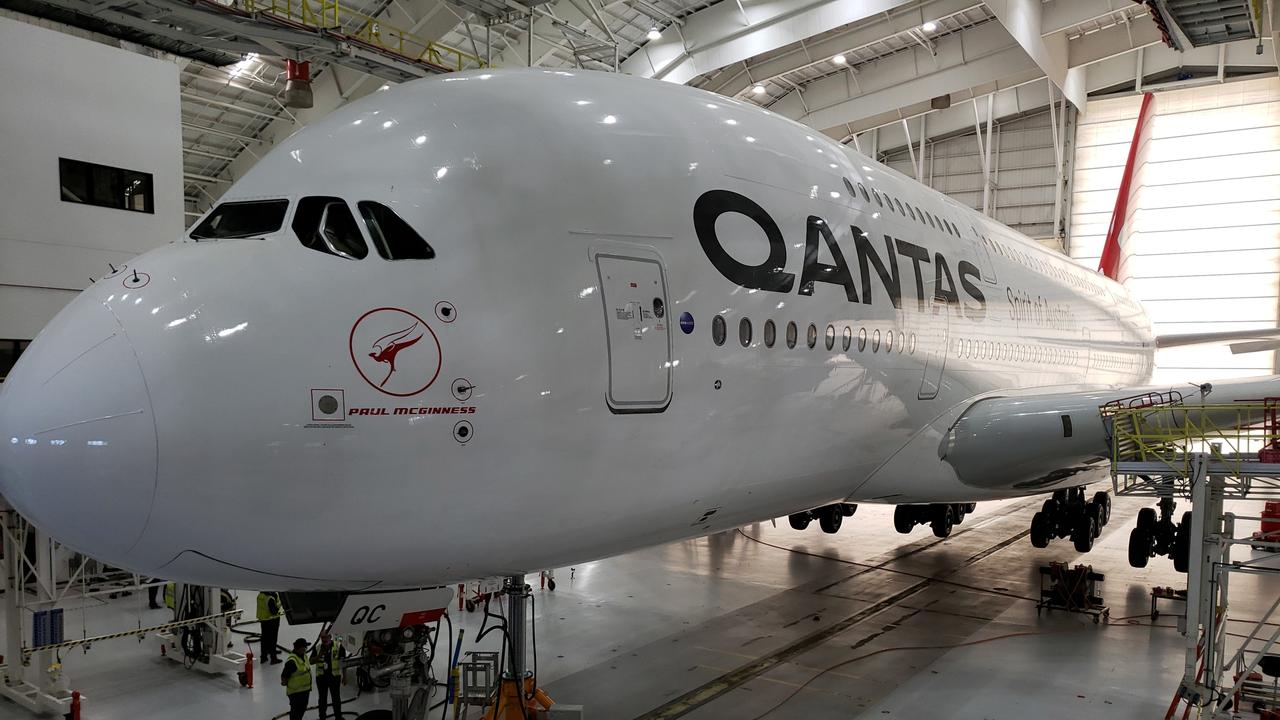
(1165, 447)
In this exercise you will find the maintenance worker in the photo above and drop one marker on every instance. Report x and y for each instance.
(296, 679)
(152, 593)
(327, 657)
(269, 613)
(170, 590)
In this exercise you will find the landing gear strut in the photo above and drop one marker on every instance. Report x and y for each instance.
(1067, 514)
(941, 517)
(519, 696)
(829, 517)
(1160, 535)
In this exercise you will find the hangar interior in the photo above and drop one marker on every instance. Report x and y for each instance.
(125, 121)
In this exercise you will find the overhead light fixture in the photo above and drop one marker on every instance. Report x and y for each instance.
(655, 33)
(929, 26)
(839, 60)
(758, 89)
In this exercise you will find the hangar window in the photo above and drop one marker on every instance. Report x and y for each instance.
(770, 333)
(325, 224)
(105, 186)
(242, 219)
(791, 334)
(392, 236)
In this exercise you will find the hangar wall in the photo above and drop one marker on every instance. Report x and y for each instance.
(1022, 166)
(1205, 248)
(72, 98)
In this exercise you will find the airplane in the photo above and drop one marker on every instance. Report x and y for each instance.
(504, 320)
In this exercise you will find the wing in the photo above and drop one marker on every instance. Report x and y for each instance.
(1022, 442)
(1268, 335)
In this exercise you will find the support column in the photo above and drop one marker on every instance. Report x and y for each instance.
(15, 673)
(516, 621)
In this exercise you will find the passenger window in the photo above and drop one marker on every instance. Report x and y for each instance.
(717, 330)
(242, 219)
(910, 211)
(862, 339)
(744, 331)
(831, 337)
(863, 189)
(888, 341)
(326, 224)
(875, 341)
(847, 339)
(791, 334)
(770, 333)
(898, 204)
(392, 236)
(876, 194)
(811, 336)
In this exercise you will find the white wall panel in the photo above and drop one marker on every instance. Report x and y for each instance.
(68, 97)
(1204, 249)
(1024, 169)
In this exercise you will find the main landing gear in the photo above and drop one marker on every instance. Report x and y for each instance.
(1066, 514)
(829, 517)
(1159, 535)
(942, 517)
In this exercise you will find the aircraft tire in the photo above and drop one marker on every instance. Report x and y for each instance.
(958, 511)
(1094, 512)
(943, 521)
(830, 518)
(1181, 550)
(1139, 547)
(1104, 500)
(1084, 533)
(799, 521)
(1039, 531)
(1147, 519)
(904, 519)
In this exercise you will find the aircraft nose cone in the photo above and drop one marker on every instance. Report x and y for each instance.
(77, 434)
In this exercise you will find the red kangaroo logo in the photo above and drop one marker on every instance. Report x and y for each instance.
(390, 345)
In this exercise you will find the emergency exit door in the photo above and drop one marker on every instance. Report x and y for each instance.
(634, 292)
(937, 342)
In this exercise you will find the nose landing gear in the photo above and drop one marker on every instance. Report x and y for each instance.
(1066, 514)
(830, 517)
(941, 517)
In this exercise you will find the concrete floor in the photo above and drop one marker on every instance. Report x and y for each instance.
(771, 622)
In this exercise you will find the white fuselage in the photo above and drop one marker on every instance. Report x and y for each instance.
(567, 417)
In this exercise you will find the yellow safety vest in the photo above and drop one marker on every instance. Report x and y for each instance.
(333, 662)
(264, 612)
(168, 595)
(300, 680)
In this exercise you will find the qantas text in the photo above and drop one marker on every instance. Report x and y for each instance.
(770, 275)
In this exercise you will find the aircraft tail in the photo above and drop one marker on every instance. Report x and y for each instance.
(1113, 250)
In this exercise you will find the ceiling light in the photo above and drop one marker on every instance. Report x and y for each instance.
(758, 89)
(838, 59)
(655, 33)
(929, 26)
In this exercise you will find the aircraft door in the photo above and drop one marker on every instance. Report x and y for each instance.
(937, 338)
(633, 289)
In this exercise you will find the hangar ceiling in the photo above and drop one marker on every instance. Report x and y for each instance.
(862, 71)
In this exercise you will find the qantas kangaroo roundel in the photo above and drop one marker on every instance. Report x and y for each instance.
(395, 351)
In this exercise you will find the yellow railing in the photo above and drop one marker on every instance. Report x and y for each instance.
(331, 15)
(1231, 434)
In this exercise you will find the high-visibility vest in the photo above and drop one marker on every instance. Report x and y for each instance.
(169, 602)
(264, 611)
(300, 680)
(332, 664)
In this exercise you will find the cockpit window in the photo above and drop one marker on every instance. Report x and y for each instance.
(392, 236)
(242, 219)
(327, 225)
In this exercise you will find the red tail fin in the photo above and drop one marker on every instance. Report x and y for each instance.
(1109, 264)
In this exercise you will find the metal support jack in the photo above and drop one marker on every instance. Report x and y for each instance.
(518, 697)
